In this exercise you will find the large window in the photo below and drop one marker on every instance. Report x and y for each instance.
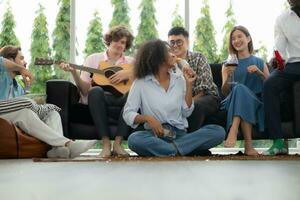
(257, 15)
(252, 14)
(85, 10)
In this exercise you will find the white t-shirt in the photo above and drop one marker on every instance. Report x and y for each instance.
(287, 36)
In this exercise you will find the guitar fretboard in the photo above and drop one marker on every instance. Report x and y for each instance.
(87, 69)
(40, 61)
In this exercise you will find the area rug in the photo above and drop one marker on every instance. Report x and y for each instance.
(238, 156)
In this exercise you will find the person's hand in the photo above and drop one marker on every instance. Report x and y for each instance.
(185, 65)
(119, 76)
(27, 77)
(66, 67)
(228, 70)
(156, 126)
(253, 69)
(186, 68)
(189, 75)
(274, 63)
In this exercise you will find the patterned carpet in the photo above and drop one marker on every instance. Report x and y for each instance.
(238, 156)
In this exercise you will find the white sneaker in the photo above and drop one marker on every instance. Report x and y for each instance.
(78, 147)
(58, 152)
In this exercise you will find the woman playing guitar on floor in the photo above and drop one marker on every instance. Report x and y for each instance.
(118, 40)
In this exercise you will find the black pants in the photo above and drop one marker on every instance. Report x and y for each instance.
(277, 83)
(102, 106)
(204, 106)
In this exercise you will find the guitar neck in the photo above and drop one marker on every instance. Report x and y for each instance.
(84, 68)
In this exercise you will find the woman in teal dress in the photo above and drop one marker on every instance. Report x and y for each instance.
(243, 101)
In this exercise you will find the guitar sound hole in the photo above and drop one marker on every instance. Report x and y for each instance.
(109, 73)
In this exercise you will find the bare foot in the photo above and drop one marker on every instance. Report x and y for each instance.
(105, 153)
(231, 139)
(251, 152)
(119, 151)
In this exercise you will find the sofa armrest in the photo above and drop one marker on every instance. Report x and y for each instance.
(297, 109)
(63, 94)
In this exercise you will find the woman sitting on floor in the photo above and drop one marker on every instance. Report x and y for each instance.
(164, 99)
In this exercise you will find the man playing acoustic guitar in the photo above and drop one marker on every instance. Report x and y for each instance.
(93, 88)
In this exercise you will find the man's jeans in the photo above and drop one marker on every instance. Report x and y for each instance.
(146, 143)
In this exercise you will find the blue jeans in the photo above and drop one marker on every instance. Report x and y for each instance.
(146, 143)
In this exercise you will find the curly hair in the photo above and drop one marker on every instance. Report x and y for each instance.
(231, 49)
(149, 57)
(10, 51)
(294, 3)
(116, 33)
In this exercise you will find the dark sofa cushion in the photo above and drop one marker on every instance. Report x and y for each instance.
(217, 75)
(79, 113)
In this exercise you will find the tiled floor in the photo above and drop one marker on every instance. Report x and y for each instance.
(232, 180)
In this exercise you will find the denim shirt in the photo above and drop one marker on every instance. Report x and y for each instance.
(168, 107)
(6, 84)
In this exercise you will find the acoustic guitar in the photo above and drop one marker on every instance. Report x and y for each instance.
(100, 76)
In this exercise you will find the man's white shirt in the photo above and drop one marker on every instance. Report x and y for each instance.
(287, 36)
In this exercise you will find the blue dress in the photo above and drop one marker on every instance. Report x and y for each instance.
(245, 98)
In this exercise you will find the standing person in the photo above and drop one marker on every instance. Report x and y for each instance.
(164, 99)
(244, 98)
(205, 91)
(118, 40)
(50, 129)
(287, 42)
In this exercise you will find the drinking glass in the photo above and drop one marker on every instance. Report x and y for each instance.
(231, 61)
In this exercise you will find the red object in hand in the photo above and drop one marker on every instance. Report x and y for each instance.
(279, 60)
